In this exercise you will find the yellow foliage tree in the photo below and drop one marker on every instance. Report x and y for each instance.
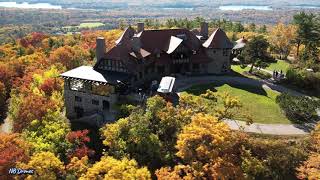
(206, 145)
(46, 166)
(110, 168)
(77, 167)
(281, 39)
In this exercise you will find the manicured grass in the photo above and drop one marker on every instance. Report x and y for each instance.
(241, 71)
(258, 102)
(91, 25)
(278, 66)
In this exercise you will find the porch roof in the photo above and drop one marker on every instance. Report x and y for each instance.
(87, 73)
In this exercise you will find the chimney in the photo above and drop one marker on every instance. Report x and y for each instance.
(136, 44)
(140, 27)
(100, 48)
(204, 30)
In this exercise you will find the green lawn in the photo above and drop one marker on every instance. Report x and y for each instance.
(91, 25)
(259, 102)
(241, 71)
(279, 65)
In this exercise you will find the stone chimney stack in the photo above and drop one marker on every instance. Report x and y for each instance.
(100, 48)
(136, 44)
(204, 30)
(140, 27)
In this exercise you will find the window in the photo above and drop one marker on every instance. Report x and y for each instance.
(77, 85)
(102, 90)
(95, 102)
(79, 111)
(77, 99)
(112, 65)
(105, 105)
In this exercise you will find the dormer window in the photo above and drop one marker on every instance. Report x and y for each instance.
(158, 55)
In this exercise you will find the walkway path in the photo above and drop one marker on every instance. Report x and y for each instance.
(274, 129)
(6, 126)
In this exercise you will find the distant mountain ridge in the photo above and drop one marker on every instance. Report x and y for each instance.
(171, 3)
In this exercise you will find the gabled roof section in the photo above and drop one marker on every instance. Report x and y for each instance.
(152, 40)
(218, 39)
(126, 35)
(173, 44)
(140, 54)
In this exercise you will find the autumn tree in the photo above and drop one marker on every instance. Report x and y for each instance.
(77, 167)
(49, 134)
(50, 85)
(281, 39)
(70, 57)
(206, 149)
(148, 135)
(24, 110)
(3, 95)
(13, 149)
(46, 166)
(110, 168)
(310, 169)
(79, 140)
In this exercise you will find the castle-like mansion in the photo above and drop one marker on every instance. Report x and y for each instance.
(140, 57)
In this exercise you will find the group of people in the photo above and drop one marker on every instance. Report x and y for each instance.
(278, 75)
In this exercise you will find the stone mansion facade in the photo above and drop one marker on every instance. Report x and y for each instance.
(139, 57)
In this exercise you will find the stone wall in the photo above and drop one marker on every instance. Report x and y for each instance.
(86, 102)
(219, 60)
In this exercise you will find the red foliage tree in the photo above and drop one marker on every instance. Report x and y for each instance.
(50, 85)
(79, 140)
(13, 149)
(34, 39)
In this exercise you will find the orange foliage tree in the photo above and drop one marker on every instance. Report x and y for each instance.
(13, 149)
(310, 169)
(31, 107)
(70, 57)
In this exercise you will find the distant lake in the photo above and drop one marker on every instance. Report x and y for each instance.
(26, 5)
(305, 7)
(242, 7)
(189, 9)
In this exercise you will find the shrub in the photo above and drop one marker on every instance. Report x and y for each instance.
(262, 74)
(304, 79)
(298, 108)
